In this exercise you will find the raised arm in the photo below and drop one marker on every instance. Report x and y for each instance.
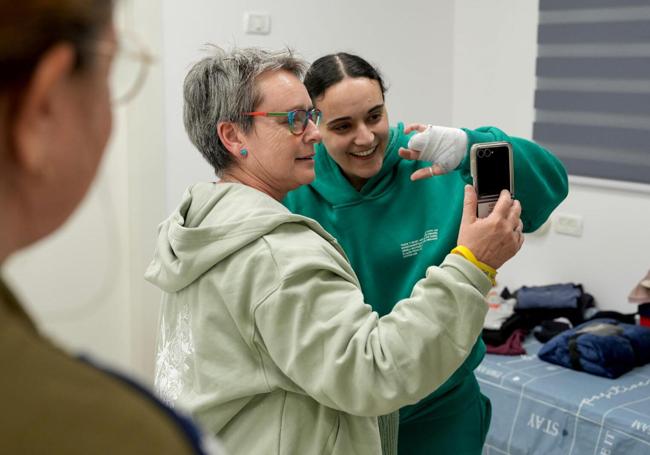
(541, 181)
(540, 178)
(316, 328)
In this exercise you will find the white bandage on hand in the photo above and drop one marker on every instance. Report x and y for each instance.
(440, 145)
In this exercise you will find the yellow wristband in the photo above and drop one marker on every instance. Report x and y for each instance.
(467, 254)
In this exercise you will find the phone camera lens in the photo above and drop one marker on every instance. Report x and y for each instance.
(484, 153)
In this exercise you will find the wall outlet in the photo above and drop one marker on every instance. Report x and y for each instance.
(257, 23)
(568, 224)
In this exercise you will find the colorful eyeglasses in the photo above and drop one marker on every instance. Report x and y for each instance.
(298, 118)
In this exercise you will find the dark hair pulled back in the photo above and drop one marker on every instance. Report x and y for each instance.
(333, 68)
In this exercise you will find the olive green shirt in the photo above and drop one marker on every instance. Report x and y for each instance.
(54, 403)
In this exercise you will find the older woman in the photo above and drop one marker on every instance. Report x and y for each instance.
(55, 119)
(265, 336)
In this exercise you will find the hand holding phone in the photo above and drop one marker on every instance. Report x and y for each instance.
(495, 239)
(492, 171)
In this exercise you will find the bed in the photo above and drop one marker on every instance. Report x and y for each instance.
(541, 408)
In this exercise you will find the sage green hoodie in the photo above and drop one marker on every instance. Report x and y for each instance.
(265, 337)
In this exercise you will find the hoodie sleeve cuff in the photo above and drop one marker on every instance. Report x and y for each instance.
(465, 271)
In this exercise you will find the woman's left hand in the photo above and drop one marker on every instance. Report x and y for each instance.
(409, 154)
(443, 146)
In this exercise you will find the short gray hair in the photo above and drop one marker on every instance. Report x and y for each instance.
(221, 87)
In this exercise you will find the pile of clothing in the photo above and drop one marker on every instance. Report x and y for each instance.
(604, 347)
(547, 309)
(575, 333)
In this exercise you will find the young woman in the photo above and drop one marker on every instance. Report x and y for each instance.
(391, 228)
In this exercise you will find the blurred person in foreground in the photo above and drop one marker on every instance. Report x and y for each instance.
(55, 120)
(265, 336)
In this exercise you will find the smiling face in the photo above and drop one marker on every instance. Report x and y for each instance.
(279, 160)
(354, 127)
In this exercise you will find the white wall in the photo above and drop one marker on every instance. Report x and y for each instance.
(494, 78)
(494, 50)
(609, 259)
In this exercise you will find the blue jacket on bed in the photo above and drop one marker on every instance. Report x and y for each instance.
(604, 347)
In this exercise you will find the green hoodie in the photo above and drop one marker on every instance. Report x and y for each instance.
(393, 229)
(265, 337)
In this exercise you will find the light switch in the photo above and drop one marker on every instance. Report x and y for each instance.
(257, 23)
(568, 224)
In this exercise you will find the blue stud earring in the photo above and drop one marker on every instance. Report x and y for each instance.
(243, 152)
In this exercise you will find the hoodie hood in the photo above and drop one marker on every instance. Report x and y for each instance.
(332, 185)
(209, 225)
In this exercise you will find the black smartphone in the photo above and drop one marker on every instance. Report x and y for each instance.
(492, 171)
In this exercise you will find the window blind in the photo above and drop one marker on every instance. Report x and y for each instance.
(592, 99)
